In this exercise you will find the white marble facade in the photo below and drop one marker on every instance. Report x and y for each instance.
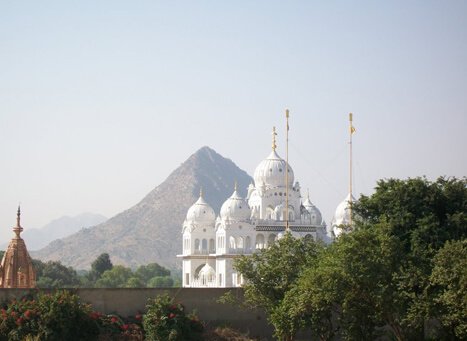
(244, 225)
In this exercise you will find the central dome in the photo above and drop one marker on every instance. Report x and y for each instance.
(271, 172)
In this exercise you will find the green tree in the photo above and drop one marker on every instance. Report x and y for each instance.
(422, 215)
(352, 282)
(146, 272)
(160, 282)
(377, 278)
(134, 282)
(117, 277)
(448, 281)
(101, 264)
(55, 275)
(271, 273)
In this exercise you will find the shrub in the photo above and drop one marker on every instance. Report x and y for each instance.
(113, 328)
(167, 321)
(58, 316)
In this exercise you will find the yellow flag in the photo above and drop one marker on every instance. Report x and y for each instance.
(352, 128)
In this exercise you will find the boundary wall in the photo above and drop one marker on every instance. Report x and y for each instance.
(130, 301)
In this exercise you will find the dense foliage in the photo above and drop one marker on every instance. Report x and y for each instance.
(55, 275)
(166, 320)
(103, 274)
(59, 316)
(402, 272)
(271, 273)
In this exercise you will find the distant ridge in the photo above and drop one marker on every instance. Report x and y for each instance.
(150, 231)
(58, 228)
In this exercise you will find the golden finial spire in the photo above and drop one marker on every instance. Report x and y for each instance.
(274, 146)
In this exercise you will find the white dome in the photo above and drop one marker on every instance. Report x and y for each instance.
(207, 271)
(342, 215)
(271, 172)
(201, 212)
(235, 208)
(315, 214)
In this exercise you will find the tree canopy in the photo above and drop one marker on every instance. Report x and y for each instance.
(271, 273)
(400, 272)
(55, 275)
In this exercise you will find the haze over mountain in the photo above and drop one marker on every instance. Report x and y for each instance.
(59, 228)
(150, 231)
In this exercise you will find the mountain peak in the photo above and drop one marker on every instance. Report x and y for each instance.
(150, 231)
(208, 153)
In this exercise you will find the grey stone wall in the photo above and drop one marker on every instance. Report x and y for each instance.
(127, 302)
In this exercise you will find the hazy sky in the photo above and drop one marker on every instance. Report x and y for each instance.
(101, 100)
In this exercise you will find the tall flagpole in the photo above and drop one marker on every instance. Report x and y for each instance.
(351, 131)
(287, 173)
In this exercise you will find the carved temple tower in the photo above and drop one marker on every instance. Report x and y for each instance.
(16, 270)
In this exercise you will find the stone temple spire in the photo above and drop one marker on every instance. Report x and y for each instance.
(16, 270)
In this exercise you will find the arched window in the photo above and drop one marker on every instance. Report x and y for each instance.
(270, 213)
(212, 246)
(308, 237)
(186, 245)
(239, 243)
(248, 243)
(197, 246)
(232, 243)
(271, 239)
(259, 244)
(205, 245)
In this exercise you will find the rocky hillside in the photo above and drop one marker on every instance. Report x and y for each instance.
(150, 231)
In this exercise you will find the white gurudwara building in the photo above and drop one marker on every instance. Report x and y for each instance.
(244, 225)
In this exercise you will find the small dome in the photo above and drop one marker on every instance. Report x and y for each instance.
(235, 208)
(271, 172)
(201, 212)
(342, 215)
(315, 214)
(207, 271)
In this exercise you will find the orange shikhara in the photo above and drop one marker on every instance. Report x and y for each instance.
(16, 269)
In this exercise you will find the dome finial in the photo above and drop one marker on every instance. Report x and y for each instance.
(308, 193)
(235, 185)
(201, 192)
(274, 146)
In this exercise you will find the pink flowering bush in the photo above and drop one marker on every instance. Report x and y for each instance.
(61, 316)
(166, 320)
(58, 316)
(113, 327)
